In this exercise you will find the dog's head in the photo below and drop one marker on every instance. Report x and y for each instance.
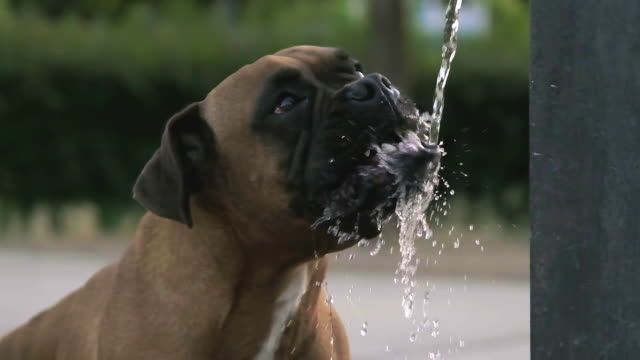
(295, 139)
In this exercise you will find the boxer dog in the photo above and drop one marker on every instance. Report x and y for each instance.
(292, 157)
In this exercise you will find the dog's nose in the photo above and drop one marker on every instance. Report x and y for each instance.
(371, 89)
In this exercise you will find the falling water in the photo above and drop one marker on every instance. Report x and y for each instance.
(449, 47)
(413, 196)
(412, 205)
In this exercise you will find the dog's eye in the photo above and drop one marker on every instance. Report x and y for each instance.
(287, 103)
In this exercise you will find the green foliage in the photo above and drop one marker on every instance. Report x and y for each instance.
(96, 8)
(83, 102)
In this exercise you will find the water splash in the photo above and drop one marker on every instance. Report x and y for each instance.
(378, 247)
(412, 205)
(413, 337)
(411, 213)
(414, 191)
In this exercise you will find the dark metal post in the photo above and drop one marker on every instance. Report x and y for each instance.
(585, 179)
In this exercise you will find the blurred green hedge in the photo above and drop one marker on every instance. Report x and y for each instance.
(83, 103)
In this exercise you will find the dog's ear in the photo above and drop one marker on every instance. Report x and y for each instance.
(176, 170)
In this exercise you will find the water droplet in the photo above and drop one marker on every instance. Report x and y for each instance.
(452, 192)
(471, 227)
(461, 343)
(331, 160)
(456, 244)
(413, 337)
(424, 324)
(361, 243)
(387, 348)
(364, 330)
(329, 300)
(477, 241)
(352, 256)
(407, 304)
(378, 247)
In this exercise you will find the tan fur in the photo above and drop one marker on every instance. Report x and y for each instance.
(205, 292)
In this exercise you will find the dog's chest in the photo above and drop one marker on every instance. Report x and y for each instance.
(285, 305)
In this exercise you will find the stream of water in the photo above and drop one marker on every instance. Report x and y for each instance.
(415, 190)
(413, 202)
(449, 48)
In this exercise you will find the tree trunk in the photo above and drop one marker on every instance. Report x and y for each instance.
(389, 55)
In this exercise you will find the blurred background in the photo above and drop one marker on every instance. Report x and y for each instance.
(86, 87)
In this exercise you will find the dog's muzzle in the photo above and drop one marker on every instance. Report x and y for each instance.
(373, 150)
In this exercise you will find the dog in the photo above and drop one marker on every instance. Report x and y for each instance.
(279, 165)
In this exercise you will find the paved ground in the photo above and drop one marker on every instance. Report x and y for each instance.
(478, 317)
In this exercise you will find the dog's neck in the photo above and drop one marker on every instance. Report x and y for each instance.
(266, 300)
